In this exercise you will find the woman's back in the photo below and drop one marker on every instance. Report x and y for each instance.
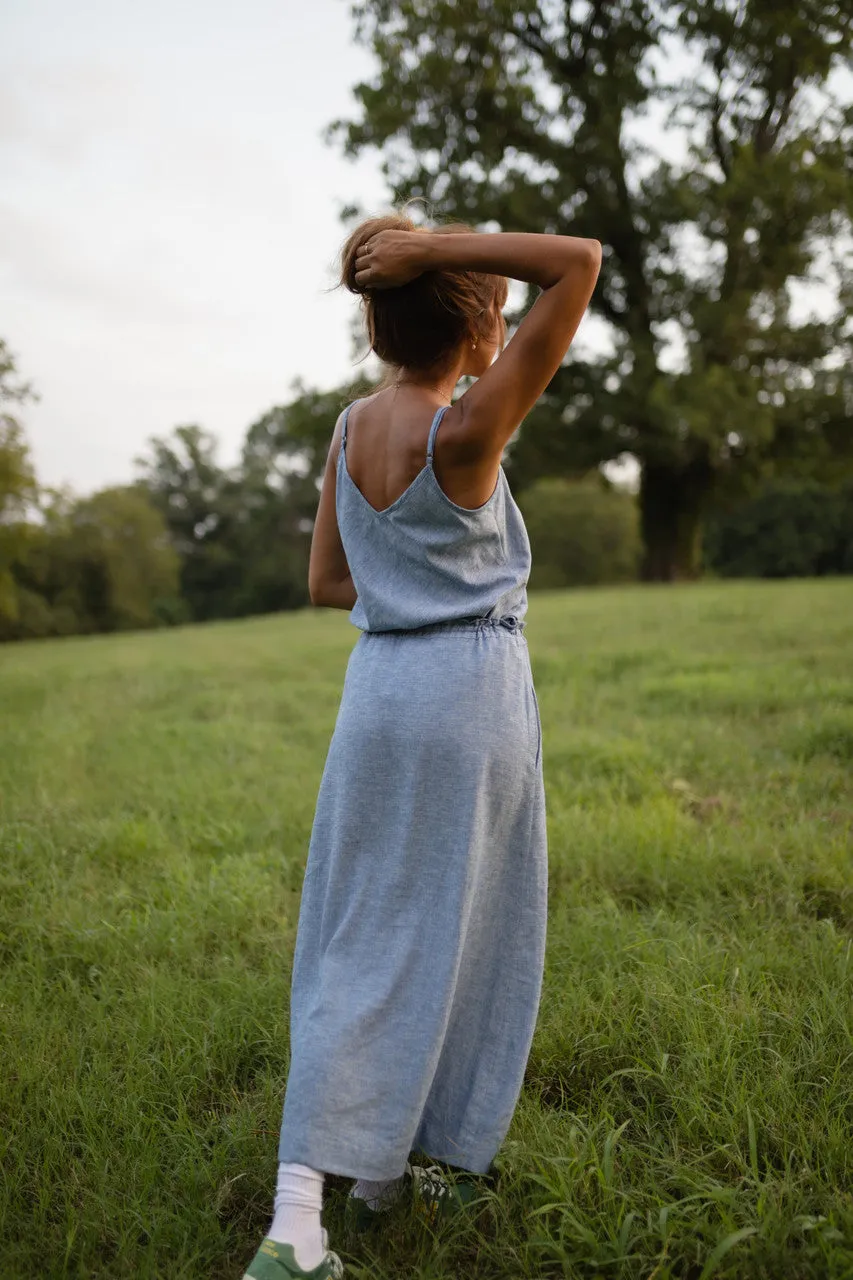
(388, 434)
(418, 558)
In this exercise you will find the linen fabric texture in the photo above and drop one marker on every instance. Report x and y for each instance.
(420, 944)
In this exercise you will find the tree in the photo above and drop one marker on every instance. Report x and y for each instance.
(291, 441)
(540, 116)
(120, 561)
(17, 479)
(789, 528)
(581, 533)
(284, 456)
(191, 490)
(101, 563)
(244, 535)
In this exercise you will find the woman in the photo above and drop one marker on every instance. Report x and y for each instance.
(421, 936)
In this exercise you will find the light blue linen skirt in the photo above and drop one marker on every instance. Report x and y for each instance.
(420, 946)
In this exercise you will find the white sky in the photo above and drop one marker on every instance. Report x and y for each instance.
(169, 217)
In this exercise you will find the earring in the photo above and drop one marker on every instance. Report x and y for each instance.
(474, 345)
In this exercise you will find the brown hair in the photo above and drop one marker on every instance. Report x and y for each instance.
(421, 324)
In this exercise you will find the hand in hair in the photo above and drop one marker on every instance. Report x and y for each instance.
(390, 259)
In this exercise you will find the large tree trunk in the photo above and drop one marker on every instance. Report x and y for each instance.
(672, 505)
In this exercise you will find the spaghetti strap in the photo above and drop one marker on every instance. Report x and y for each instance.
(344, 424)
(436, 423)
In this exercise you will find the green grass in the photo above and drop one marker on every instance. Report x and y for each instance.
(687, 1110)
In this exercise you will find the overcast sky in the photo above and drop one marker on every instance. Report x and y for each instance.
(169, 216)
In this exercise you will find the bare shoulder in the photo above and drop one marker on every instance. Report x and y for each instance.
(363, 401)
(462, 437)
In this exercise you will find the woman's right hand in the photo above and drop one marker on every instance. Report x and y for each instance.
(391, 258)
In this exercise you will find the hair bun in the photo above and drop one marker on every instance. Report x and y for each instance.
(421, 324)
(366, 231)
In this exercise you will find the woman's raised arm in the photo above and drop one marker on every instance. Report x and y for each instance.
(565, 268)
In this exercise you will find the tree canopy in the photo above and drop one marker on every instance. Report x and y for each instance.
(707, 144)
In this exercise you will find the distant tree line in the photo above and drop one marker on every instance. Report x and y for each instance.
(734, 397)
(789, 528)
(192, 540)
(189, 540)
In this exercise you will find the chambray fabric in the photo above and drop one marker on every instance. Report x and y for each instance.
(424, 559)
(420, 945)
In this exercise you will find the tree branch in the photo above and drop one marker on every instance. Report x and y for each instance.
(779, 105)
(718, 140)
(533, 40)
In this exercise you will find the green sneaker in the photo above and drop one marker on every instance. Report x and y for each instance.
(439, 1197)
(360, 1215)
(275, 1261)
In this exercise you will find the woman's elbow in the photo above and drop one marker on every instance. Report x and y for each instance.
(315, 590)
(592, 254)
(330, 593)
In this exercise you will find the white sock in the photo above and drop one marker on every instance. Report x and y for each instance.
(379, 1195)
(298, 1202)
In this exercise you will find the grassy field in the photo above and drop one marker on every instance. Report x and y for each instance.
(687, 1110)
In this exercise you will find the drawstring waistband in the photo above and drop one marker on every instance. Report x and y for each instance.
(508, 622)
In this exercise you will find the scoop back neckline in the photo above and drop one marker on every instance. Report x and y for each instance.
(428, 466)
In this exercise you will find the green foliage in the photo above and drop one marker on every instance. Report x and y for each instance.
(284, 456)
(102, 563)
(291, 441)
(125, 565)
(17, 481)
(193, 540)
(788, 529)
(535, 117)
(580, 533)
(686, 1108)
(191, 491)
(244, 535)
(190, 540)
